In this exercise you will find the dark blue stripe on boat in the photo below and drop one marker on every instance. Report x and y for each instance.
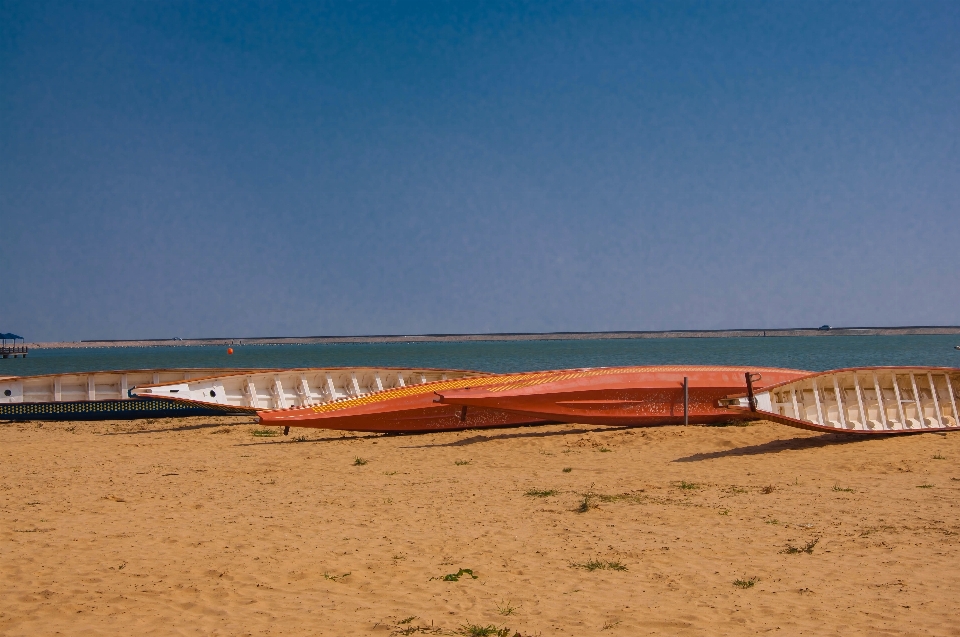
(109, 410)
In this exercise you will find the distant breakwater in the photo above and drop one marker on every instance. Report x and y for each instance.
(521, 336)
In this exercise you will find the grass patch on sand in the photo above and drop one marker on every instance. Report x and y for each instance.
(455, 577)
(589, 498)
(600, 565)
(767, 490)
(265, 433)
(620, 497)
(541, 493)
(476, 630)
(460, 463)
(407, 627)
(359, 462)
(838, 488)
(585, 504)
(567, 469)
(687, 486)
(506, 608)
(806, 548)
(746, 583)
(924, 486)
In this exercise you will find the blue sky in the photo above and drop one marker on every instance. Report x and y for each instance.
(244, 169)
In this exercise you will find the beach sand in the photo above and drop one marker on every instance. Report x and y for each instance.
(198, 527)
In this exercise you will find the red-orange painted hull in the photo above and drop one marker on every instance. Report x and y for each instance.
(432, 418)
(605, 396)
(410, 409)
(645, 396)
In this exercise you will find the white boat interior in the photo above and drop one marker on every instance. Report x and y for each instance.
(92, 386)
(869, 399)
(282, 389)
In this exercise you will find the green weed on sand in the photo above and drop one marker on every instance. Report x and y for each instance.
(541, 493)
(265, 433)
(807, 548)
(600, 565)
(475, 630)
(455, 577)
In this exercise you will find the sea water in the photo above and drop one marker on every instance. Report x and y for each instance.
(810, 353)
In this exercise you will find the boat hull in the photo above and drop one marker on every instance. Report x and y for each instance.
(261, 390)
(411, 416)
(100, 395)
(861, 401)
(605, 396)
(634, 396)
(414, 408)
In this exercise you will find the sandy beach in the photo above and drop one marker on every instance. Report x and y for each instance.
(200, 527)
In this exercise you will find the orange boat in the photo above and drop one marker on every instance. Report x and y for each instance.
(646, 396)
(402, 409)
(606, 396)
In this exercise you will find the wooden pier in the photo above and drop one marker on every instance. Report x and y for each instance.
(12, 349)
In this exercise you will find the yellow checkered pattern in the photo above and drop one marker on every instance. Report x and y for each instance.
(507, 382)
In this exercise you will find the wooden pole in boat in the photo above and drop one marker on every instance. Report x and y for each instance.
(750, 398)
(686, 400)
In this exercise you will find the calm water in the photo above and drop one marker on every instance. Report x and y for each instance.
(813, 353)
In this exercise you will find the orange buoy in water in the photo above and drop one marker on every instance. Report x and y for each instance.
(229, 350)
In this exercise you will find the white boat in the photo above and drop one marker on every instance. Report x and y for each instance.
(863, 400)
(95, 395)
(259, 390)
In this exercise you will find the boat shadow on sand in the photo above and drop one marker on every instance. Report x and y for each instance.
(480, 438)
(297, 440)
(472, 440)
(777, 446)
(240, 421)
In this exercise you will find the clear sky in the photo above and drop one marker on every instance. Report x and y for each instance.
(242, 169)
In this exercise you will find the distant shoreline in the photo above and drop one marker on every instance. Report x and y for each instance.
(521, 336)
